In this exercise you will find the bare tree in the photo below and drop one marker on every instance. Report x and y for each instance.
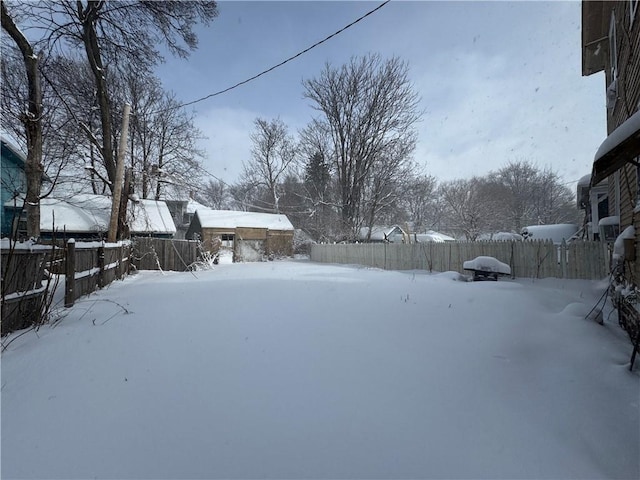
(421, 202)
(554, 202)
(175, 140)
(472, 206)
(31, 120)
(319, 193)
(384, 189)
(115, 37)
(121, 35)
(532, 195)
(519, 180)
(216, 195)
(272, 157)
(146, 95)
(369, 109)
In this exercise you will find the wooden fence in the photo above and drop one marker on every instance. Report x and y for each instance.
(86, 266)
(23, 289)
(27, 288)
(164, 254)
(92, 265)
(530, 259)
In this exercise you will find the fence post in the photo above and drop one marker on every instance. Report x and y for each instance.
(563, 260)
(120, 262)
(101, 267)
(70, 270)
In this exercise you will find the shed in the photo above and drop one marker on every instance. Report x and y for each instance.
(378, 233)
(251, 235)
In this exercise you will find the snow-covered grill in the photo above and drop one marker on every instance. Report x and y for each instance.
(486, 268)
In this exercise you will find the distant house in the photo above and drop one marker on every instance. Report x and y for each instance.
(87, 216)
(431, 236)
(500, 237)
(251, 235)
(182, 206)
(190, 210)
(150, 218)
(558, 233)
(13, 186)
(378, 234)
(611, 44)
(594, 200)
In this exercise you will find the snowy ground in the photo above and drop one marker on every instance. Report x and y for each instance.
(294, 369)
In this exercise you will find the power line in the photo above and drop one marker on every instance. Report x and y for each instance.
(264, 72)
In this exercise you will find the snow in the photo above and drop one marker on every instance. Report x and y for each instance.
(629, 128)
(618, 245)
(82, 213)
(380, 233)
(192, 206)
(151, 216)
(585, 180)
(30, 245)
(432, 236)
(298, 370)
(501, 237)
(556, 233)
(233, 219)
(92, 213)
(487, 264)
(613, 220)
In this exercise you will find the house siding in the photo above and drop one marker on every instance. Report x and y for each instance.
(628, 44)
(271, 242)
(280, 242)
(13, 184)
(626, 104)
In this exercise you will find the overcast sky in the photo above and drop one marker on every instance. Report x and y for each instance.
(499, 81)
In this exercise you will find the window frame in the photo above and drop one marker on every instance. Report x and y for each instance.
(613, 47)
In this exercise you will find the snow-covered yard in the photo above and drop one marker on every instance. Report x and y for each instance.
(294, 369)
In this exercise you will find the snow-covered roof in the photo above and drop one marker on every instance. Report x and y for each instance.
(11, 149)
(379, 232)
(622, 145)
(556, 233)
(585, 180)
(192, 206)
(433, 236)
(613, 220)
(81, 213)
(231, 219)
(150, 216)
(91, 213)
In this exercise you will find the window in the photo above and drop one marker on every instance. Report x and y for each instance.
(637, 159)
(633, 8)
(613, 47)
(227, 239)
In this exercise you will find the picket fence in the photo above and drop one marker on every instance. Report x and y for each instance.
(530, 259)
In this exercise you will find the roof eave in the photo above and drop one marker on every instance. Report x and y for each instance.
(620, 147)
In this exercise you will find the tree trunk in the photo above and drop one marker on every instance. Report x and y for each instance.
(88, 17)
(32, 123)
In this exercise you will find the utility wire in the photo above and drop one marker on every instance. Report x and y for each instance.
(264, 72)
